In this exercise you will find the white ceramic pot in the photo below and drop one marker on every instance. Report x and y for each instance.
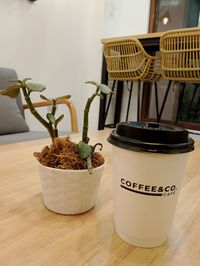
(69, 191)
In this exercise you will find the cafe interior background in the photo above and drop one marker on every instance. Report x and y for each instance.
(171, 15)
(58, 43)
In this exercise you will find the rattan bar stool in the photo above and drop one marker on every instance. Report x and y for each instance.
(127, 60)
(180, 58)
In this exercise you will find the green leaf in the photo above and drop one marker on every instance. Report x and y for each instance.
(51, 118)
(84, 150)
(45, 98)
(12, 91)
(63, 97)
(60, 118)
(26, 79)
(35, 87)
(92, 82)
(104, 89)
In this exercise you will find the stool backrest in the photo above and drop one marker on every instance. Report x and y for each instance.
(126, 59)
(180, 55)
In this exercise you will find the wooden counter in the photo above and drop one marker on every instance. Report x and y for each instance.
(153, 35)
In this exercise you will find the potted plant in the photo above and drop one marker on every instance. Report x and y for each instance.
(69, 172)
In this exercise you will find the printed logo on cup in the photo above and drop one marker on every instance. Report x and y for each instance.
(148, 190)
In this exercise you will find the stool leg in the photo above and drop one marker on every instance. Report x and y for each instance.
(193, 98)
(109, 101)
(164, 100)
(138, 101)
(180, 102)
(156, 99)
(198, 103)
(197, 109)
(129, 101)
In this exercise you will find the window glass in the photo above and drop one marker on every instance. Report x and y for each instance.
(176, 14)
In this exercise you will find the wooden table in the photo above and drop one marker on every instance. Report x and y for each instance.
(148, 39)
(150, 42)
(31, 235)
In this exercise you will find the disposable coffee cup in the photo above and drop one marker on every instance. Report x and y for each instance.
(149, 161)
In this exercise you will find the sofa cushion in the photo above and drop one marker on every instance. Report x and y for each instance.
(19, 137)
(6, 75)
(11, 118)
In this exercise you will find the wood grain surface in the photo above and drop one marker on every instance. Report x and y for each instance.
(31, 235)
(138, 36)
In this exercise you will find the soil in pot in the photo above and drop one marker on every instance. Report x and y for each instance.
(63, 154)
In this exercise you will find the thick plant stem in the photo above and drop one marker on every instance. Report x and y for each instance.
(37, 115)
(85, 137)
(56, 132)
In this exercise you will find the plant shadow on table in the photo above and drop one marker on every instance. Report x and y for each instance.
(34, 206)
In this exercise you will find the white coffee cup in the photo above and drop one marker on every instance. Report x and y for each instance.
(147, 179)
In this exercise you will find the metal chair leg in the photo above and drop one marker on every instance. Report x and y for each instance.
(109, 101)
(197, 109)
(138, 101)
(156, 99)
(129, 101)
(164, 100)
(191, 108)
(180, 102)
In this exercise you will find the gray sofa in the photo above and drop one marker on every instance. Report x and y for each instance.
(13, 126)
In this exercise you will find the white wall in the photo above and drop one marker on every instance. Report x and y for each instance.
(57, 43)
(126, 17)
(123, 18)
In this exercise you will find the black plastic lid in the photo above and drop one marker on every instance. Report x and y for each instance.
(151, 137)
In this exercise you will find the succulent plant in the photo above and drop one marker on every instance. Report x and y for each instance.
(84, 149)
(51, 122)
(27, 88)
